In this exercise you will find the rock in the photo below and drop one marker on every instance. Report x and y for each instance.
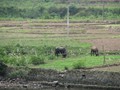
(25, 86)
(55, 83)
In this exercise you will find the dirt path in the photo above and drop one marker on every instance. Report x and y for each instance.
(115, 68)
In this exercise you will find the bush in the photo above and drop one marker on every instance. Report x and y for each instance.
(80, 64)
(21, 73)
(73, 10)
(2, 51)
(66, 68)
(51, 57)
(36, 60)
(21, 61)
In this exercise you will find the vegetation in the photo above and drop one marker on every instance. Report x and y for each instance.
(3, 69)
(42, 55)
(37, 60)
(32, 42)
(18, 55)
(19, 73)
(47, 9)
(80, 62)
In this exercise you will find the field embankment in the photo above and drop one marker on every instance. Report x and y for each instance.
(42, 78)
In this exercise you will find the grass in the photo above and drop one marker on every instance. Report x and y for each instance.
(28, 40)
(89, 61)
(44, 44)
(15, 52)
(77, 52)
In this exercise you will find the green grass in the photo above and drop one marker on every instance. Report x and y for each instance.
(89, 61)
(43, 41)
(77, 51)
(15, 52)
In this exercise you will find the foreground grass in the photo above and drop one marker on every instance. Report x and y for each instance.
(16, 52)
(78, 53)
(87, 61)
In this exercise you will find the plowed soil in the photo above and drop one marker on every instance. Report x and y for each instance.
(109, 44)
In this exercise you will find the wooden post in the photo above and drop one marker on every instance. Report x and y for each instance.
(104, 54)
(68, 30)
(103, 11)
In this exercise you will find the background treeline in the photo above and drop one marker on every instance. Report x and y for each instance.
(57, 9)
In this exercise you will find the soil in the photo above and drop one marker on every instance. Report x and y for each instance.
(22, 84)
(115, 68)
(109, 44)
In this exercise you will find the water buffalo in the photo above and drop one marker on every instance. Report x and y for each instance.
(94, 51)
(61, 50)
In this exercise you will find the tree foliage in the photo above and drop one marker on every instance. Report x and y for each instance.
(47, 9)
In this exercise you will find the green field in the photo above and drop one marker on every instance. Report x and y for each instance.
(30, 30)
(79, 62)
(24, 52)
(32, 43)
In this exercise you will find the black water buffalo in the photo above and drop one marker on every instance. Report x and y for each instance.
(61, 50)
(94, 51)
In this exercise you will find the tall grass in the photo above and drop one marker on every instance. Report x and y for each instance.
(32, 52)
(39, 51)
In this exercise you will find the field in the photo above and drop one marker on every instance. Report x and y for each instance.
(38, 38)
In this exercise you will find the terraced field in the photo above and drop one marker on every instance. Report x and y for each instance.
(98, 33)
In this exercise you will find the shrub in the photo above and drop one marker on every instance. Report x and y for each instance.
(16, 60)
(21, 73)
(66, 68)
(2, 51)
(18, 45)
(36, 60)
(51, 57)
(4, 59)
(80, 64)
(21, 61)
(12, 60)
(73, 10)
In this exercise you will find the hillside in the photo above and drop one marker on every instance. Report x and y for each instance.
(56, 9)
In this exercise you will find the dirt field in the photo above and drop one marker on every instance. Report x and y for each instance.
(109, 44)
